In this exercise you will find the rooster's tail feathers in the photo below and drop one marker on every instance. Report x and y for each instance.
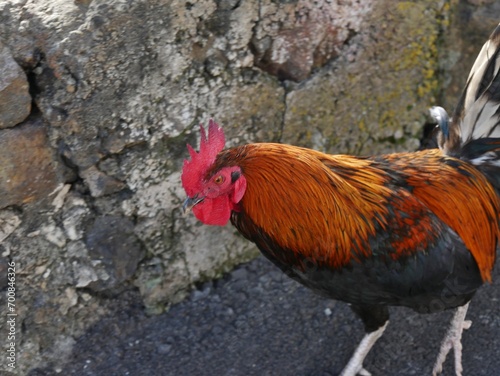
(477, 115)
(473, 133)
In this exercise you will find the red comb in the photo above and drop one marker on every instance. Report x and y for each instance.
(194, 169)
(210, 147)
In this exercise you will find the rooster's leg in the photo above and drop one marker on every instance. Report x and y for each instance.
(453, 339)
(355, 365)
(375, 319)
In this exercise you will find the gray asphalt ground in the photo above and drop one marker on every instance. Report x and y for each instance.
(255, 321)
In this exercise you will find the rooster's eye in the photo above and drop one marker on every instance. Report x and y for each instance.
(219, 180)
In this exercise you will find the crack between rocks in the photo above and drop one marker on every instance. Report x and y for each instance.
(182, 256)
(285, 103)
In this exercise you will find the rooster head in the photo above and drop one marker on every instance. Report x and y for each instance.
(212, 192)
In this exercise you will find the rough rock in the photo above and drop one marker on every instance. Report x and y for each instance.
(9, 221)
(293, 38)
(112, 242)
(99, 183)
(372, 107)
(29, 168)
(3, 271)
(15, 99)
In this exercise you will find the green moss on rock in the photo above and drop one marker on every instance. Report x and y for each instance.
(376, 96)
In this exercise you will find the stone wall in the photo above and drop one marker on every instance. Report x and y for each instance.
(99, 98)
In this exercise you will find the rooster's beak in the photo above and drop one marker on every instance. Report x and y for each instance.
(190, 202)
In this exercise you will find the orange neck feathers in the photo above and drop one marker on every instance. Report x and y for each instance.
(293, 195)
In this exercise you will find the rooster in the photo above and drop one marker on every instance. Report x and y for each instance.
(418, 230)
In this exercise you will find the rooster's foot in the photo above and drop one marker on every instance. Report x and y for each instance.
(453, 339)
(355, 365)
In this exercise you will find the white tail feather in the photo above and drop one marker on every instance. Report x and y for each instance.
(473, 134)
(477, 115)
(480, 121)
(478, 70)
